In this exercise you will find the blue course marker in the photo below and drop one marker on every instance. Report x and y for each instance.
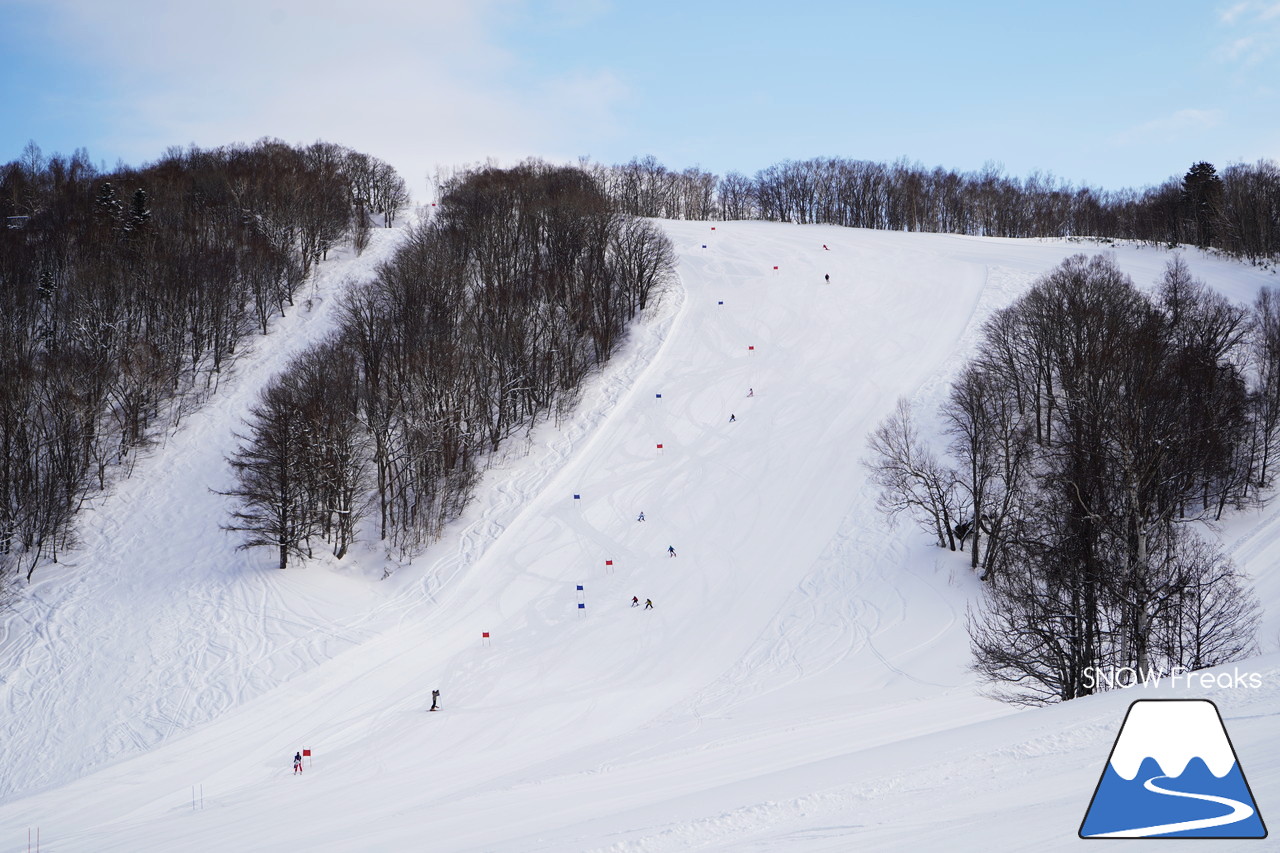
(577, 497)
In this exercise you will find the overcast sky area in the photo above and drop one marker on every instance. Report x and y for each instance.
(1107, 94)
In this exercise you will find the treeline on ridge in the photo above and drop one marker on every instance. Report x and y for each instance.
(1237, 211)
(123, 295)
(1095, 424)
(490, 314)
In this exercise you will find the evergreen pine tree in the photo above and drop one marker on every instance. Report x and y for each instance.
(1202, 203)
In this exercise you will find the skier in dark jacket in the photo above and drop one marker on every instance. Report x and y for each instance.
(671, 550)
(297, 763)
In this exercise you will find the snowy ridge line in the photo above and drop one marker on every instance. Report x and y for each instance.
(134, 545)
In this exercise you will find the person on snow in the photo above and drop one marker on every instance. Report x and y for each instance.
(828, 277)
(635, 602)
(435, 700)
(824, 245)
(751, 392)
(640, 517)
(297, 763)
(731, 417)
(671, 550)
(648, 604)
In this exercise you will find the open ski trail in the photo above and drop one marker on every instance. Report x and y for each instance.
(801, 684)
(153, 566)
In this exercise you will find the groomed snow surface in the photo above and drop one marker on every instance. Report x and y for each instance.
(800, 684)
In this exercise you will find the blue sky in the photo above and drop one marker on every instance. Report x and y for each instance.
(1112, 94)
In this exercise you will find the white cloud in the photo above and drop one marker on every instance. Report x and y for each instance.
(1261, 10)
(1231, 13)
(1261, 20)
(1246, 48)
(1182, 123)
(419, 83)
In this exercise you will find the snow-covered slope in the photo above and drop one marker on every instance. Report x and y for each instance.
(155, 623)
(800, 684)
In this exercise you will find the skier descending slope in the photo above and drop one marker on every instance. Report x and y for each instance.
(297, 763)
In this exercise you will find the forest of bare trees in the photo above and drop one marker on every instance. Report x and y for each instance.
(491, 314)
(124, 295)
(1093, 427)
(1237, 211)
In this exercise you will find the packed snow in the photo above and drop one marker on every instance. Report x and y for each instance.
(800, 683)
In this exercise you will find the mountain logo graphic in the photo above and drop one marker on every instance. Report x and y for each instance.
(1173, 773)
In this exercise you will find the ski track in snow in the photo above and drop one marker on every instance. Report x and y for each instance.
(802, 683)
(148, 565)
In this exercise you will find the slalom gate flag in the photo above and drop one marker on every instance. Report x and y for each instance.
(306, 753)
(1173, 773)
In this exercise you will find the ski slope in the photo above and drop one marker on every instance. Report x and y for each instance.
(801, 683)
